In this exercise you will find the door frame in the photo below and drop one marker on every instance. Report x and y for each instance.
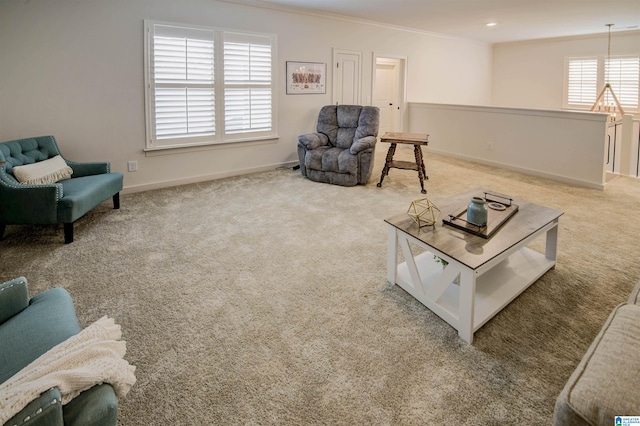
(402, 120)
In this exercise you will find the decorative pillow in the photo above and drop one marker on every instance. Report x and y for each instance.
(47, 171)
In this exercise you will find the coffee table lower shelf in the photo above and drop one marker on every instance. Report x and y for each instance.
(494, 289)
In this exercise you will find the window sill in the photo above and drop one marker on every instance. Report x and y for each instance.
(208, 146)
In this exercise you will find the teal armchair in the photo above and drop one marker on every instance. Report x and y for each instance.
(64, 201)
(28, 329)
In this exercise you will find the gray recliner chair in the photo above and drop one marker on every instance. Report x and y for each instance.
(342, 150)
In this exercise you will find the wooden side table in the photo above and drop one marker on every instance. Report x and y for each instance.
(415, 139)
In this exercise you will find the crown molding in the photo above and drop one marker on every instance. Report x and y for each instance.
(575, 37)
(345, 18)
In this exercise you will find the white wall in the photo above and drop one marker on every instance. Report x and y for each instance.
(531, 74)
(74, 69)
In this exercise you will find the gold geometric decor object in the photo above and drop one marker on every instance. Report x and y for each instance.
(423, 212)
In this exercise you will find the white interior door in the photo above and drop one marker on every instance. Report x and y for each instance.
(388, 93)
(346, 77)
(385, 95)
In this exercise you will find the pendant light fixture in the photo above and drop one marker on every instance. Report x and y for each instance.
(604, 104)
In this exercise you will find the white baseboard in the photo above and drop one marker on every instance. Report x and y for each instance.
(525, 171)
(204, 178)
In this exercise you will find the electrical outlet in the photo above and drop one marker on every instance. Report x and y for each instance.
(489, 146)
(132, 166)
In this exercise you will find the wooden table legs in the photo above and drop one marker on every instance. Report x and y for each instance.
(405, 165)
(422, 173)
(387, 163)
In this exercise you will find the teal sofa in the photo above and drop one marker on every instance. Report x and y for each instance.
(28, 329)
(64, 201)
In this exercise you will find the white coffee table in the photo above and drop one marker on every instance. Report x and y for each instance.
(483, 275)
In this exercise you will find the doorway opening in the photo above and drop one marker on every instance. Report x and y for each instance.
(389, 91)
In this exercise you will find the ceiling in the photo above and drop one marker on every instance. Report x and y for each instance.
(515, 20)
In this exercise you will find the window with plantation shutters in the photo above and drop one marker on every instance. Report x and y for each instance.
(183, 83)
(583, 82)
(207, 86)
(622, 74)
(586, 77)
(247, 83)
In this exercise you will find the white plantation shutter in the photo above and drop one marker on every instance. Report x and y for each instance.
(247, 84)
(623, 74)
(583, 81)
(586, 78)
(183, 82)
(184, 89)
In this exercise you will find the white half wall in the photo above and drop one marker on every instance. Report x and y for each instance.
(74, 69)
(560, 145)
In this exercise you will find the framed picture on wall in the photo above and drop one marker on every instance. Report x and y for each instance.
(305, 78)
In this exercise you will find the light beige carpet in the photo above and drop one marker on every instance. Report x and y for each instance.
(263, 299)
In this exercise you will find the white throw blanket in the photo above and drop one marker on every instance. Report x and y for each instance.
(91, 357)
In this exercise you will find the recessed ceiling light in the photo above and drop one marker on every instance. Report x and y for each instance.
(491, 24)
